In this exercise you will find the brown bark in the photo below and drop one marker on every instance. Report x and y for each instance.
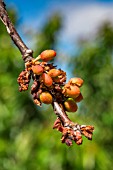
(27, 54)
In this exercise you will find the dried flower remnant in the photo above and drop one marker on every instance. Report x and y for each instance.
(50, 87)
(23, 80)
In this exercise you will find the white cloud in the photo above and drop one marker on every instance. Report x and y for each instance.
(84, 20)
(80, 19)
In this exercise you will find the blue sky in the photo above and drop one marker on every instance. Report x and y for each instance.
(81, 17)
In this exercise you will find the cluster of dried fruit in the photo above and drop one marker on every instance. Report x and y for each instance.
(50, 87)
(50, 83)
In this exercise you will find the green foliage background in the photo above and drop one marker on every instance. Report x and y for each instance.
(27, 141)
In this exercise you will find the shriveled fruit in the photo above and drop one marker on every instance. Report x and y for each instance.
(79, 98)
(70, 105)
(47, 80)
(71, 91)
(76, 81)
(37, 69)
(47, 55)
(46, 97)
(54, 72)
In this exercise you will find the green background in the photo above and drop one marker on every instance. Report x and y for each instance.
(27, 140)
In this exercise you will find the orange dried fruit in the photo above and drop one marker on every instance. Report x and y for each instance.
(54, 72)
(76, 81)
(79, 98)
(37, 69)
(47, 55)
(47, 80)
(71, 91)
(70, 105)
(46, 97)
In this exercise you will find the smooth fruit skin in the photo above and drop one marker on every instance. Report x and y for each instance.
(76, 81)
(79, 98)
(47, 55)
(47, 80)
(46, 97)
(37, 69)
(71, 91)
(54, 72)
(70, 105)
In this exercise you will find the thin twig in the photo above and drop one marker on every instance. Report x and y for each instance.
(70, 131)
(27, 54)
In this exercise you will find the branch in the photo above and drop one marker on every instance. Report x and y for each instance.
(49, 86)
(70, 131)
(27, 54)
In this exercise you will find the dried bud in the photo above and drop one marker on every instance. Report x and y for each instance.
(46, 97)
(47, 55)
(70, 105)
(78, 137)
(34, 86)
(47, 80)
(76, 81)
(79, 98)
(71, 91)
(23, 80)
(37, 69)
(54, 72)
(56, 79)
(37, 102)
(68, 142)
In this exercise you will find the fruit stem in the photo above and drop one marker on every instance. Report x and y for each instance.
(36, 59)
(59, 111)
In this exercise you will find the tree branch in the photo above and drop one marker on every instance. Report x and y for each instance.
(50, 81)
(70, 131)
(27, 54)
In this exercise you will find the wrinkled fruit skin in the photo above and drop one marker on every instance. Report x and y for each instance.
(70, 105)
(37, 69)
(46, 97)
(76, 81)
(46, 79)
(71, 91)
(47, 55)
